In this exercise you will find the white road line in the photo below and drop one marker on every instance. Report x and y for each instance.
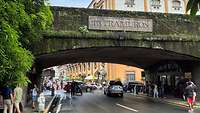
(131, 109)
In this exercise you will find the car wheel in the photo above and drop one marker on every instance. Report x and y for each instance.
(121, 95)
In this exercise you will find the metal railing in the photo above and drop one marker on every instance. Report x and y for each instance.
(53, 103)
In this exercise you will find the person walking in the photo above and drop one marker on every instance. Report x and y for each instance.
(73, 85)
(155, 91)
(34, 94)
(188, 94)
(7, 99)
(18, 92)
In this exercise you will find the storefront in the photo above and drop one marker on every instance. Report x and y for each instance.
(170, 78)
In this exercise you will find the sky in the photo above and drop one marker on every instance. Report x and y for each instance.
(70, 3)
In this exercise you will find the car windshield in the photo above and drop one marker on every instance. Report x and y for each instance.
(134, 83)
(115, 83)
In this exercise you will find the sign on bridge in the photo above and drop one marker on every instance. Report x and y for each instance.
(120, 24)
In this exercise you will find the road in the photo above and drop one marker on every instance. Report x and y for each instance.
(97, 102)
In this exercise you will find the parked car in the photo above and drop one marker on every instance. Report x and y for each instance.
(129, 87)
(114, 88)
(89, 87)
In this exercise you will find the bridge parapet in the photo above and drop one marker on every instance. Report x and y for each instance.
(71, 19)
(172, 32)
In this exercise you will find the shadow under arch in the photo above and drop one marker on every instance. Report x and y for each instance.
(133, 56)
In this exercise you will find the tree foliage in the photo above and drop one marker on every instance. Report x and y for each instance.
(193, 6)
(21, 23)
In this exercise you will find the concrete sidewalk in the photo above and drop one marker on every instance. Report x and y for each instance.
(28, 108)
(179, 102)
(172, 101)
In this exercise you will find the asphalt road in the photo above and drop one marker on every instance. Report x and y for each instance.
(97, 102)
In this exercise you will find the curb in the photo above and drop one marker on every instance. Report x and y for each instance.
(173, 103)
(180, 104)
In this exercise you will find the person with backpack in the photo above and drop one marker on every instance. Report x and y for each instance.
(7, 99)
(189, 94)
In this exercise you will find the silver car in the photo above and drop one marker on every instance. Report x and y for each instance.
(114, 89)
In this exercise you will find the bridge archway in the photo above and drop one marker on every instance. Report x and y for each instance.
(145, 58)
(133, 56)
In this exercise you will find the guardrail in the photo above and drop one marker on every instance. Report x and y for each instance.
(49, 105)
(54, 104)
(59, 105)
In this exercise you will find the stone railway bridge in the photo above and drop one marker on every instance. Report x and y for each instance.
(169, 43)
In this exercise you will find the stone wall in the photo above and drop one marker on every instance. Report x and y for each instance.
(178, 33)
(71, 19)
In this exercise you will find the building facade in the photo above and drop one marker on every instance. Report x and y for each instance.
(104, 71)
(160, 6)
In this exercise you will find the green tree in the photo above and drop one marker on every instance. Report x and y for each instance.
(193, 6)
(21, 25)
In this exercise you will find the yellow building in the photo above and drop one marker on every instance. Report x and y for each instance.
(123, 72)
(78, 70)
(112, 71)
(161, 6)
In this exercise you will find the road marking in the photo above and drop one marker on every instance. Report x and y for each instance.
(131, 109)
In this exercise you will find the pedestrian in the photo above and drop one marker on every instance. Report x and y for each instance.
(194, 92)
(73, 85)
(188, 94)
(53, 88)
(18, 92)
(155, 91)
(7, 99)
(41, 103)
(34, 94)
(150, 89)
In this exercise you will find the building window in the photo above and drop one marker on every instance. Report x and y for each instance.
(88, 66)
(84, 66)
(176, 4)
(94, 5)
(130, 76)
(95, 65)
(156, 4)
(129, 3)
